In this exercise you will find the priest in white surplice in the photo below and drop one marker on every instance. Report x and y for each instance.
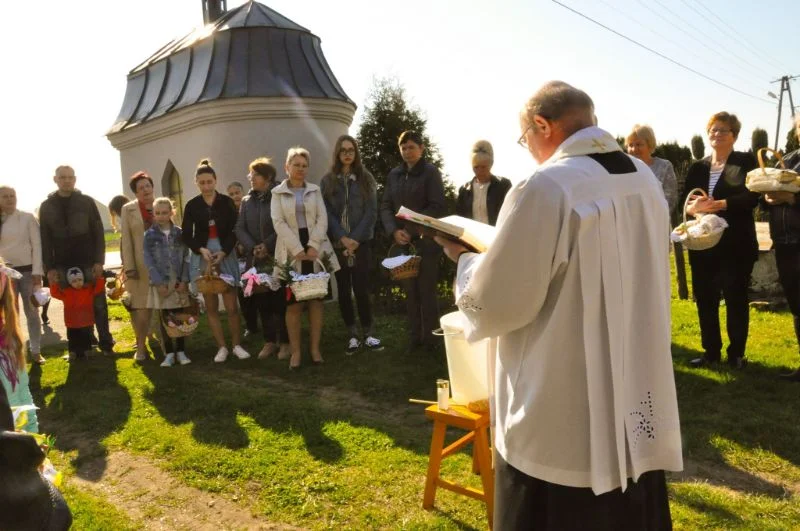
(576, 288)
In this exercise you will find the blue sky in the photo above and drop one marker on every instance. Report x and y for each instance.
(468, 65)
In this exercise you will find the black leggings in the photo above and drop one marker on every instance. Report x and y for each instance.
(167, 341)
(271, 307)
(355, 278)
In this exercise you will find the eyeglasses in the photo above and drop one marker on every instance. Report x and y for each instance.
(718, 131)
(522, 140)
(347, 151)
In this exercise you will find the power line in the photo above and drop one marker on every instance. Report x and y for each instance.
(660, 54)
(680, 45)
(698, 31)
(740, 38)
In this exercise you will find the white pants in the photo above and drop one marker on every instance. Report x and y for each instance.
(24, 289)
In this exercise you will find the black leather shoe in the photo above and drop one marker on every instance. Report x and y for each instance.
(737, 363)
(701, 362)
(791, 377)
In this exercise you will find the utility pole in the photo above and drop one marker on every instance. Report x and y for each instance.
(785, 87)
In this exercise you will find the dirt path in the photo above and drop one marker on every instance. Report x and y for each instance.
(156, 500)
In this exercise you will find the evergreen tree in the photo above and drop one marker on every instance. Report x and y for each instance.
(758, 140)
(792, 142)
(698, 147)
(675, 153)
(386, 116)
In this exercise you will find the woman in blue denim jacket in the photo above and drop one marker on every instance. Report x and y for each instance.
(165, 258)
(350, 195)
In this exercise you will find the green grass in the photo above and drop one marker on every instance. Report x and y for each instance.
(112, 241)
(338, 446)
(90, 513)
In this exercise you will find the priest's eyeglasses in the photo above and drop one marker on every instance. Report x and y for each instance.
(522, 140)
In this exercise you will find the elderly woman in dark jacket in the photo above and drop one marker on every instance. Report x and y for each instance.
(727, 266)
(481, 198)
(256, 235)
(416, 184)
(784, 228)
(351, 199)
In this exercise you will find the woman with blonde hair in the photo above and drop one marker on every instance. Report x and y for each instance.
(641, 143)
(13, 370)
(301, 222)
(482, 196)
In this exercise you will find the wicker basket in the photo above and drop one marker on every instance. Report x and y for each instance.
(115, 287)
(210, 283)
(780, 179)
(312, 288)
(409, 269)
(703, 242)
(183, 316)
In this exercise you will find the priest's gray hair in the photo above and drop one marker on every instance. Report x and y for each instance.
(561, 102)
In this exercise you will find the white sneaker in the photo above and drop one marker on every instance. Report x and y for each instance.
(240, 353)
(352, 346)
(222, 355)
(373, 343)
(169, 360)
(182, 359)
(140, 356)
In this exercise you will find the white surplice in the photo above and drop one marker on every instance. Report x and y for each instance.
(576, 288)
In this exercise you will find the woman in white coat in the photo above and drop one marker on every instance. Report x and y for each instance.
(301, 223)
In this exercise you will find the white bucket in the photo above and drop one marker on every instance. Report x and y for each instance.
(467, 363)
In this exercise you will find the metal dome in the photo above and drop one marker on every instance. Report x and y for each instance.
(250, 51)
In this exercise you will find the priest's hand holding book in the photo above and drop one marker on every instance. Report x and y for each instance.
(452, 249)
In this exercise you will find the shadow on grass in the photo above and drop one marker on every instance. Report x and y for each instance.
(75, 404)
(210, 395)
(722, 409)
(701, 505)
(212, 398)
(211, 405)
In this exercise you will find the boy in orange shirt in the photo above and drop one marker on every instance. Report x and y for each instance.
(78, 310)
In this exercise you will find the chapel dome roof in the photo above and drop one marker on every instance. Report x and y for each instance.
(250, 51)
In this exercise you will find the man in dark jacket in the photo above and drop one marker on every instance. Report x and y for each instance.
(416, 184)
(481, 198)
(72, 235)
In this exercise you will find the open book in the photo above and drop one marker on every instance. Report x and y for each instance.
(473, 235)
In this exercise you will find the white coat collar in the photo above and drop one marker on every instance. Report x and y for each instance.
(585, 142)
(283, 188)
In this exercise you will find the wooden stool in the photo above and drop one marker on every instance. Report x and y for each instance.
(476, 424)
